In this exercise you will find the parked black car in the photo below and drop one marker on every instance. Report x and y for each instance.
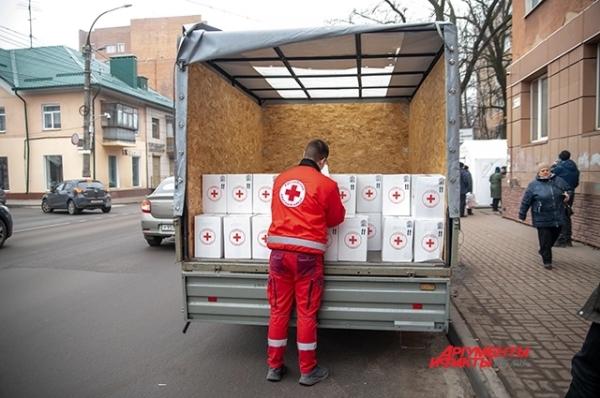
(2, 197)
(77, 195)
(6, 224)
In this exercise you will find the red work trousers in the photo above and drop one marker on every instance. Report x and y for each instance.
(294, 276)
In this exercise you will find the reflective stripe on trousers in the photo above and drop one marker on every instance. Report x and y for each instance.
(286, 240)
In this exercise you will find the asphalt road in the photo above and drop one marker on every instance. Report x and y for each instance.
(87, 309)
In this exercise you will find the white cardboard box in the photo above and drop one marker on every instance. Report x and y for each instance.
(214, 198)
(429, 239)
(208, 229)
(368, 193)
(331, 254)
(395, 195)
(352, 239)
(347, 186)
(374, 231)
(239, 194)
(237, 236)
(428, 196)
(263, 192)
(260, 228)
(398, 234)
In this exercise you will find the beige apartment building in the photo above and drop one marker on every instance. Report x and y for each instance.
(152, 40)
(553, 102)
(41, 128)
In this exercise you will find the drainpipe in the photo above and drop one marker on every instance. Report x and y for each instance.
(93, 141)
(27, 149)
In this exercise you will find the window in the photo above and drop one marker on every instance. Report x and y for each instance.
(155, 128)
(4, 173)
(135, 171)
(120, 116)
(530, 5)
(170, 122)
(51, 117)
(120, 47)
(54, 170)
(112, 172)
(539, 109)
(111, 49)
(2, 120)
(598, 87)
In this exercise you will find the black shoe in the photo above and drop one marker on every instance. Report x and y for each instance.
(548, 265)
(470, 212)
(319, 373)
(275, 374)
(560, 244)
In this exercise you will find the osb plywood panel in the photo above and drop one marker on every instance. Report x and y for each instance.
(225, 134)
(427, 140)
(362, 138)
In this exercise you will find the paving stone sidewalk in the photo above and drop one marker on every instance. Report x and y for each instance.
(508, 298)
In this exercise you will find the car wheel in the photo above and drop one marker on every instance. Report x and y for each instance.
(3, 232)
(106, 209)
(46, 207)
(72, 208)
(153, 240)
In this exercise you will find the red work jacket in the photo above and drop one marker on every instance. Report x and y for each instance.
(305, 203)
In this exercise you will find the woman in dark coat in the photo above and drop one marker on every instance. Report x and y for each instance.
(496, 188)
(546, 195)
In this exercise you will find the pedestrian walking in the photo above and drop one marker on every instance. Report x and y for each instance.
(585, 366)
(470, 204)
(546, 196)
(566, 169)
(305, 203)
(465, 183)
(496, 188)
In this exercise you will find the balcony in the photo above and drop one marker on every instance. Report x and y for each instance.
(117, 137)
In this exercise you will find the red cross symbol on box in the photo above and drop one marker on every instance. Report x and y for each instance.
(431, 198)
(237, 237)
(398, 240)
(430, 243)
(265, 194)
(239, 193)
(352, 240)
(262, 238)
(371, 230)
(208, 236)
(396, 195)
(214, 193)
(369, 193)
(344, 194)
(292, 193)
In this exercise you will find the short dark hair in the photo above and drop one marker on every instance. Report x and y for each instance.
(497, 170)
(564, 155)
(316, 150)
(461, 165)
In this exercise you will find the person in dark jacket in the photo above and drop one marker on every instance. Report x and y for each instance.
(465, 183)
(496, 188)
(546, 195)
(585, 366)
(566, 169)
(469, 190)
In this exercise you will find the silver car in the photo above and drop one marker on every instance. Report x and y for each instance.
(157, 213)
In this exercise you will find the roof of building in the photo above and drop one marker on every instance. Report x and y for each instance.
(61, 67)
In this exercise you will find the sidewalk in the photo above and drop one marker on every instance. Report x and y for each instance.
(508, 298)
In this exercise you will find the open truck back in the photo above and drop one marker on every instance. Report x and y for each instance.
(384, 97)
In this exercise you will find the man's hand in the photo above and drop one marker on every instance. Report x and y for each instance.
(566, 199)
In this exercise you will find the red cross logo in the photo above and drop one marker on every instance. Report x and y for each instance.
(292, 193)
(429, 243)
(262, 238)
(240, 193)
(214, 193)
(371, 230)
(237, 237)
(431, 198)
(264, 194)
(396, 195)
(344, 195)
(369, 193)
(208, 236)
(352, 240)
(398, 240)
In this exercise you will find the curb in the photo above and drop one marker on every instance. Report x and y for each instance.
(485, 381)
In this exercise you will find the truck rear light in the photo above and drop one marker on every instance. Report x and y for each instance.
(146, 207)
(427, 286)
(212, 299)
(417, 306)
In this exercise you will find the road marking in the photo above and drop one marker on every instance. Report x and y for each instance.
(71, 223)
(42, 227)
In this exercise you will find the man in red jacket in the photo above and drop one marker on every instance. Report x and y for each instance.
(305, 203)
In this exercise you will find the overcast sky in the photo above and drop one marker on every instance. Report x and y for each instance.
(57, 22)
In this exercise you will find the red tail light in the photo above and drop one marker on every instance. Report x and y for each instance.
(417, 306)
(146, 207)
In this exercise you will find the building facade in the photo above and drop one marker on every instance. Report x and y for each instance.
(41, 128)
(152, 40)
(553, 102)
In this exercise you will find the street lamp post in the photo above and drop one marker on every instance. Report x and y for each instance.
(87, 98)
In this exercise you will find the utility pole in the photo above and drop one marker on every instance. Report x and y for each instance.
(86, 109)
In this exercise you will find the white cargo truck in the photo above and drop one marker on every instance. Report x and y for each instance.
(385, 98)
